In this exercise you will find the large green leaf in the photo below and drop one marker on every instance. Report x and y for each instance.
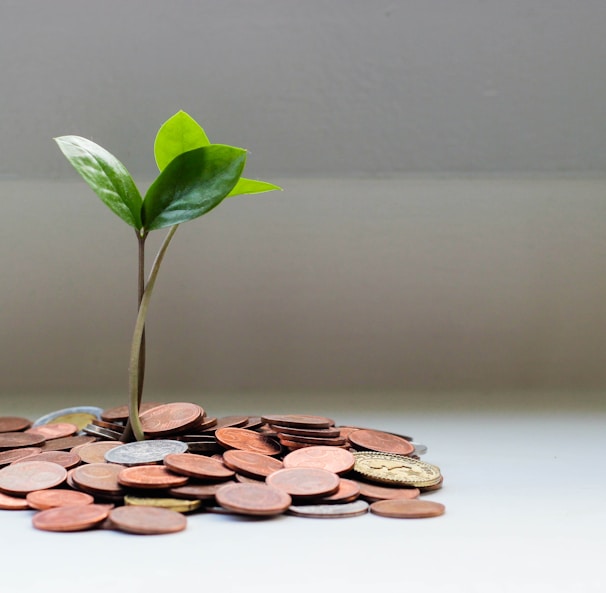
(192, 184)
(181, 133)
(252, 186)
(106, 176)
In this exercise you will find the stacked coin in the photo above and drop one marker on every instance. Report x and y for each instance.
(263, 465)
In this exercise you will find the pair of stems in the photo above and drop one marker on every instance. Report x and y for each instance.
(136, 367)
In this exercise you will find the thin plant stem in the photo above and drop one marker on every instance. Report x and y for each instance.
(135, 350)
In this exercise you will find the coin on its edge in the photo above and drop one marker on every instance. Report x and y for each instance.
(396, 469)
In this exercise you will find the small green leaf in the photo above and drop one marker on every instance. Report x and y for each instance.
(251, 186)
(106, 176)
(192, 184)
(181, 133)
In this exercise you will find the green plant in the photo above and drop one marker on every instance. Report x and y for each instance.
(195, 177)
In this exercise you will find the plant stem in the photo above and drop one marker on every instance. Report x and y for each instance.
(138, 334)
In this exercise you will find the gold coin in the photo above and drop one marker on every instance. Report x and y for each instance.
(175, 504)
(396, 469)
(80, 419)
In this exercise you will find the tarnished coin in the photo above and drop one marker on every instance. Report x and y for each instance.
(304, 482)
(298, 420)
(145, 520)
(376, 440)
(374, 492)
(22, 478)
(197, 466)
(13, 423)
(65, 443)
(14, 440)
(54, 430)
(98, 478)
(71, 518)
(95, 452)
(247, 440)
(152, 477)
(144, 452)
(13, 503)
(253, 499)
(57, 497)
(175, 504)
(120, 413)
(338, 461)
(396, 469)
(78, 415)
(249, 463)
(11, 455)
(407, 509)
(63, 458)
(330, 511)
(169, 418)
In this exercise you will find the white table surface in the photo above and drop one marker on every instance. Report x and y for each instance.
(524, 489)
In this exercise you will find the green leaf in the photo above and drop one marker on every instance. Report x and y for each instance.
(181, 133)
(251, 186)
(192, 184)
(106, 176)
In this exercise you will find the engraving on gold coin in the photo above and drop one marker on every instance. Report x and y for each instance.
(396, 469)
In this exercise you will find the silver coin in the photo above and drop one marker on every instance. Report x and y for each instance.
(93, 410)
(144, 452)
(330, 511)
(103, 433)
(419, 448)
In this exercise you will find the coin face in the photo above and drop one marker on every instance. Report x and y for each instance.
(247, 440)
(144, 452)
(75, 415)
(98, 478)
(13, 440)
(330, 511)
(57, 497)
(71, 518)
(11, 455)
(249, 463)
(197, 466)
(25, 477)
(374, 492)
(407, 509)
(95, 452)
(120, 413)
(396, 469)
(145, 520)
(376, 440)
(13, 503)
(55, 430)
(253, 499)
(338, 461)
(64, 458)
(169, 418)
(13, 423)
(305, 482)
(65, 443)
(151, 477)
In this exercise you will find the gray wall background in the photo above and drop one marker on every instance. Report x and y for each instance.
(443, 224)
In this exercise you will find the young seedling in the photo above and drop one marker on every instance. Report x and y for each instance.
(195, 177)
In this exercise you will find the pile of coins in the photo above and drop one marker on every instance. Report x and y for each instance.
(72, 468)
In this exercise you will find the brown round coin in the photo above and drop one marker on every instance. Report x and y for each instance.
(54, 430)
(247, 440)
(147, 520)
(305, 482)
(95, 452)
(57, 497)
(22, 478)
(152, 477)
(373, 492)
(249, 463)
(338, 461)
(120, 413)
(253, 499)
(13, 503)
(14, 440)
(376, 440)
(169, 418)
(332, 442)
(407, 509)
(308, 432)
(204, 492)
(98, 478)
(348, 491)
(299, 420)
(64, 458)
(66, 443)
(13, 423)
(11, 455)
(197, 466)
(71, 518)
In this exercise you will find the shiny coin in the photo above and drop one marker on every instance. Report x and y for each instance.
(304, 482)
(299, 420)
(78, 415)
(55, 430)
(144, 452)
(376, 440)
(153, 477)
(14, 440)
(22, 478)
(396, 469)
(57, 497)
(98, 478)
(419, 448)
(175, 504)
(71, 518)
(145, 520)
(63, 458)
(407, 509)
(169, 418)
(330, 511)
(247, 440)
(249, 463)
(373, 492)
(65, 443)
(11, 455)
(13, 503)
(13, 423)
(102, 433)
(197, 466)
(338, 461)
(120, 413)
(253, 499)
(95, 452)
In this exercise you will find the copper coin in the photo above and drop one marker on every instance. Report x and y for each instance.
(109, 425)
(168, 418)
(145, 520)
(13, 423)
(66, 443)
(21, 478)
(308, 432)
(299, 420)
(330, 511)
(63, 458)
(71, 518)
(372, 492)
(332, 442)
(54, 430)
(13, 440)
(247, 440)
(11, 455)
(98, 478)
(95, 452)
(348, 491)
(13, 503)
(204, 492)
(253, 499)
(152, 477)
(57, 497)
(305, 482)
(248, 480)
(407, 509)
(384, 442)
(338, 461)
(253, 423)
(230, 422)
(249, 463)
(204, 425)
(197, 466)
(120, 413)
